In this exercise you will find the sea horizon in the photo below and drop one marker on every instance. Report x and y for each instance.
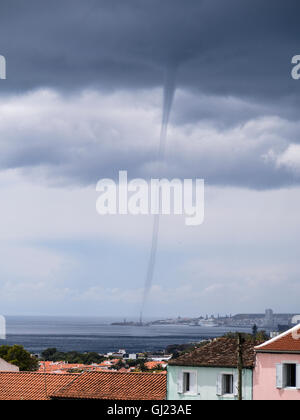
(86, 334)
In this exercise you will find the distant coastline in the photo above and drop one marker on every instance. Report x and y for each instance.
(96, 334)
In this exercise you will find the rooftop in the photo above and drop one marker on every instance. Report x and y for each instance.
(288, 342)
(62, 367)
(155, 365)
(221, 352)
(31, 385)
(115, 386)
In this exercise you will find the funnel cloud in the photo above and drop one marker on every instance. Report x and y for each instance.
(169, 93)
(83, 100)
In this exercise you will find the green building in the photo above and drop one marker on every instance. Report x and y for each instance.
(210, 372)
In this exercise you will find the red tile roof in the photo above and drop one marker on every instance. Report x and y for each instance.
(222, 352)
(288, 342)
(115, 386)
(155, 365)
(62, 367)
(31, 386)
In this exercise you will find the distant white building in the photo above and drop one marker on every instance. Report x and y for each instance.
(117, 355)
(7, 367)
(130, 356)
(162, 358)
(296, 320)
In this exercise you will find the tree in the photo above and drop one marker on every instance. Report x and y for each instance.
(132, 363)
(4, 351)
(254, 330)
(53, 355)
(49, 353)
(262, 336)
(142, 365)
(20, 357)
(119, 365)
(159, 368)
(92, 357)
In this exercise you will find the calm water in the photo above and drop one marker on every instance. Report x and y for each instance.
(96, 334)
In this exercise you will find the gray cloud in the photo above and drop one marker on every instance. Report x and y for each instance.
(81, 138)
(241, 48)
(234, 63)
(83, 100)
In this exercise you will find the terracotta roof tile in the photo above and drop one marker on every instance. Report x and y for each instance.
(115, 386)
(221, 352)
(31, 385)
(62, 367)
(286, 342)
(154, 365)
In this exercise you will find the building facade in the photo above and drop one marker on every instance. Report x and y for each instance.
(210, 372)
(277, 368)
(207, 383)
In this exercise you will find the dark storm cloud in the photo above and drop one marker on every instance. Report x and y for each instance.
(81, 138)
(233, 61)
(233, 46)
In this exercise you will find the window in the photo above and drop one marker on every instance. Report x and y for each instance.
(288, 375)
(227, 384)
(186, 382)
(291, 375)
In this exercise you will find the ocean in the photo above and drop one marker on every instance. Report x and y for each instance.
(84, 334)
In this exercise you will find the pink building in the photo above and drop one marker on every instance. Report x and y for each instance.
(277, 370)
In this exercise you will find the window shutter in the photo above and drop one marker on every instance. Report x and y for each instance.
(180, 383)
(236, 384)
(279, 376)
(193, 383)
(298, 377)
(220, 385)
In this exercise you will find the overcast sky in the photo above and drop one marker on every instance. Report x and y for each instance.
(83, 100)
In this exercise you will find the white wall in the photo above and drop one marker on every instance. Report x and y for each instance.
(206, 383)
